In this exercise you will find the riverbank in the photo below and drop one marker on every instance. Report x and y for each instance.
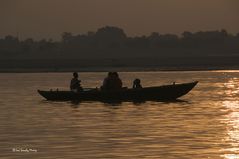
(116, 69)
(121, 65)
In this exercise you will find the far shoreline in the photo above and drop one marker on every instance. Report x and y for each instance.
(146, 64)
(129, 69)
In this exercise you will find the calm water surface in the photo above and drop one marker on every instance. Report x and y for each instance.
(205, 125)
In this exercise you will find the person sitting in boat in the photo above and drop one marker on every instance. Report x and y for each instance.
(117, 81)
(112, 82)
(75, 83)
(137, 83)
(106, 81)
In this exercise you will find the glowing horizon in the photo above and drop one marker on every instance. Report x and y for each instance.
(48, 19)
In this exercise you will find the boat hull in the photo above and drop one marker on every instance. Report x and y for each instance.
(166, 92)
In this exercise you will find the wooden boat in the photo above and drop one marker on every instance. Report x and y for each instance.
(160, 93)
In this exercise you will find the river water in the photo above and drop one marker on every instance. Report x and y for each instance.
(205, 124)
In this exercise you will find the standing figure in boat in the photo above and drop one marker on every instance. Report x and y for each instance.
(112, 82)
(137, 83)
(75, 83)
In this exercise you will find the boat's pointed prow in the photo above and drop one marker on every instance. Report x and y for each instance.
(195, 83)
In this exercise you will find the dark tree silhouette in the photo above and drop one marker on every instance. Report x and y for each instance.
(112, 42)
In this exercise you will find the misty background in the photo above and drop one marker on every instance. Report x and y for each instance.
(77, 34)
(49, 18)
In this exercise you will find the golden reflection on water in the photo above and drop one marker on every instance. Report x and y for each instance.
(232, 87)
(231, 103)
(206, 125)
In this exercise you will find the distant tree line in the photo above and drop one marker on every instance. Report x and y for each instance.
(112, 42)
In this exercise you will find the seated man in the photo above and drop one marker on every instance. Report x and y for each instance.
(137, 83)
(75, 83)
(112, 82)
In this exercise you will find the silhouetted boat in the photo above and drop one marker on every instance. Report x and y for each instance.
(160, 93)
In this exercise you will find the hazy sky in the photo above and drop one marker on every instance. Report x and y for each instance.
(49, 18)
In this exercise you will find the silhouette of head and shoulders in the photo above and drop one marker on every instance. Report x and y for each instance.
(137, 83)
(75, 82)
(112, 81)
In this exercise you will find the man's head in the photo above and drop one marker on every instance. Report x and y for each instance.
(115, 74)
(75, 74)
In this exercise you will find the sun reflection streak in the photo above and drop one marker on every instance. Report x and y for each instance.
(232, 87)
(231, 103)
(231, 156)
